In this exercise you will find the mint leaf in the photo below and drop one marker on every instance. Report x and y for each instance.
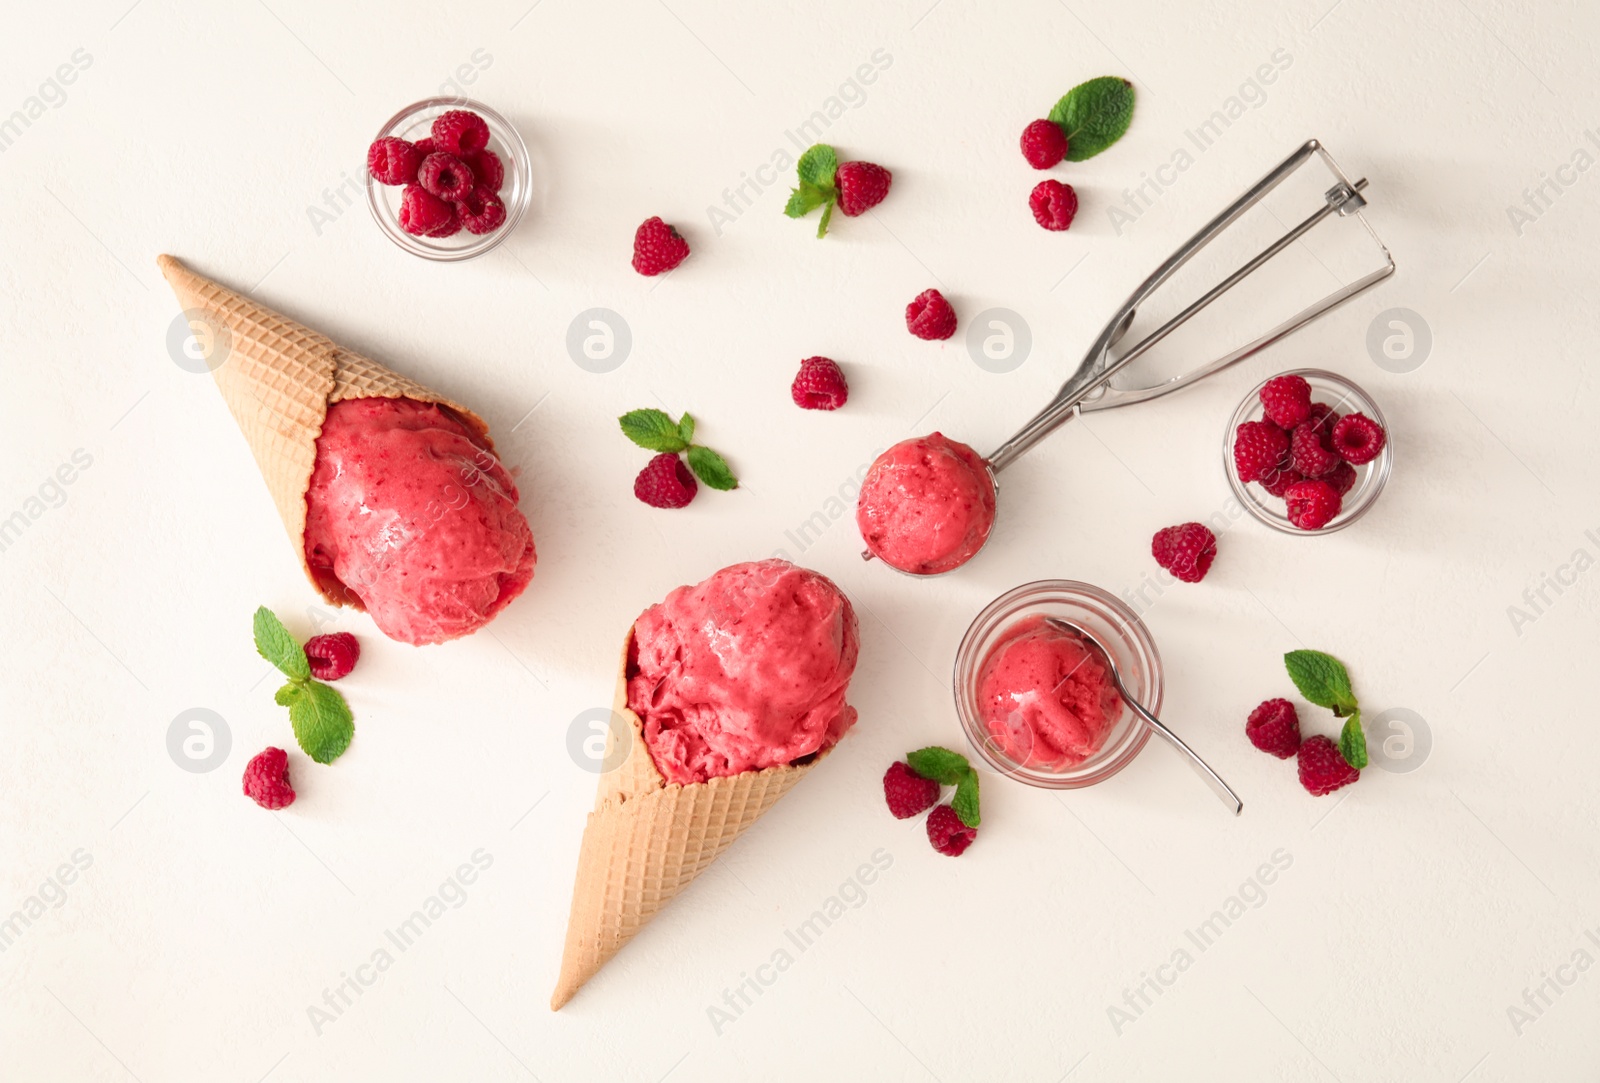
(817, 166)
(940, 764)
(711, 468)
(321, 718)
(1094, 115)
(653, 430)
(805, 199)
(276, 645)
(1353, 742)
(686, 429)
(827, 216)
(965, 801)
(1322, 679)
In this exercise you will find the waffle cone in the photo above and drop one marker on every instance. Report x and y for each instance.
(278, 378)
(647, 839)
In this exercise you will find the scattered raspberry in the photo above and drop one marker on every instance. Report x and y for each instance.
(907, 792)
(1311, 450)
(1054, 204)
(1342, 478)
(820, 385)
(1358, 439)
(1287, 400)
(1258, 449)
(487, 167)
(1280, 479)
(266, 780)
(460, 132)
(1274, 727)
(445, 175)
(948, 834)
(930, 316)
(332, 656)
(1311, 504)
(1044, 144)
(657, 247)
(422, 212)
(481, 210)
(393, 161)
(1186, 550)
(665, 482)
(1323, 768)
(862, 186)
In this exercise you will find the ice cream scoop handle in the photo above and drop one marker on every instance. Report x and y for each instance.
(1203, 769)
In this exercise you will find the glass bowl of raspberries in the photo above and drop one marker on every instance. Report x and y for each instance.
(1026, 720)
(447, 179)
(1307, 452)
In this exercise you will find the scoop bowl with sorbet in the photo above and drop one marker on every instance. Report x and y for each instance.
(926, 505)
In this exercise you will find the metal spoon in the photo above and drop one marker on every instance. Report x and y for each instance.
(1202, 768)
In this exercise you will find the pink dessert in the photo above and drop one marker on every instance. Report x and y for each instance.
(744, 671)
(926, 505)
(1046, 701)
(412, 516)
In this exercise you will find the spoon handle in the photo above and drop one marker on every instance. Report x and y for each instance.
(1202, 768)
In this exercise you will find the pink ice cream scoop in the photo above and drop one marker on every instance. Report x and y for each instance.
(413, 516)
(926, 505)
(1045, 699)
(744, 671)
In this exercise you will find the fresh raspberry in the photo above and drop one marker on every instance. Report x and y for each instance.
(393, 161)
(445, 175)
(450, 226)
(657, 247)
(1186, 550)
(1323, 768)
(1311, 504)
(1358, 439)
(426, 147)
(820, 385)
(948, 834)
(1274, 727)
(930, 316)
(1044, 144)
(422, 212)
(862, 186)
(1258, 449)
(1279, 480)
(1311, 450)
(266, 780)
(460, 132)
(1287, 400)
(1342, 478)
(1323, 416)
(907, 792)
(1054, 204)
(481, 210)
(332, 656)
(487, 167)
(665, 482)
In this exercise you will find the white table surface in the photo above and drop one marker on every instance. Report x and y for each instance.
(1410, 914)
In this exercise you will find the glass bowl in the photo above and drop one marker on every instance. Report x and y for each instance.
(1345, 397)
(1117, 629)
(415, 122)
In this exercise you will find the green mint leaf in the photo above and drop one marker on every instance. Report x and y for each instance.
(805, 199)
(653, 430)
(1322, 679)
(940, 764)
(827, 216)
(1094, 115)
(711, 468)
(276, 645)
(818, 165)
(285, 695)
(965, 801)
(686, 429)
(321, 719)
(1353, 742)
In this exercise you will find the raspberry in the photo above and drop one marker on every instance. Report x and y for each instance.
(1323, 768)
(1054, 204)
(1311, 504)
(1287, 400)
(1258, 449)
(445, 175)
(665, 482)
(487, 167)
(1274, 727)
(1044, 144)
(1358, 439)
(948, 834)
(1310, 450)
(657, 247)
(266, 780)
(1323, 416)
(820, 385)
(1342, 478)
(907, 792)
(332, 656)
(450, 226)
(422, 212)
(393, 161)
(930, 316)
(425, 147)
(460, 132)
(862, 186)
(481, 210)
(1186, 550)
(1280, 479)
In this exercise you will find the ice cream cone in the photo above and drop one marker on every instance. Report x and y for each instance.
(647, 839)
(278, 378)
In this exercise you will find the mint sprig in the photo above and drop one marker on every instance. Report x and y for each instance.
(276, 645)
(1323, 680)
(654, 430)
(1353, 742)
(949, 768)
(815, 172)
(1094, 115)
(323, 724)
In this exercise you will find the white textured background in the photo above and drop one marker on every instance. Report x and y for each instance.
(1416, 907)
